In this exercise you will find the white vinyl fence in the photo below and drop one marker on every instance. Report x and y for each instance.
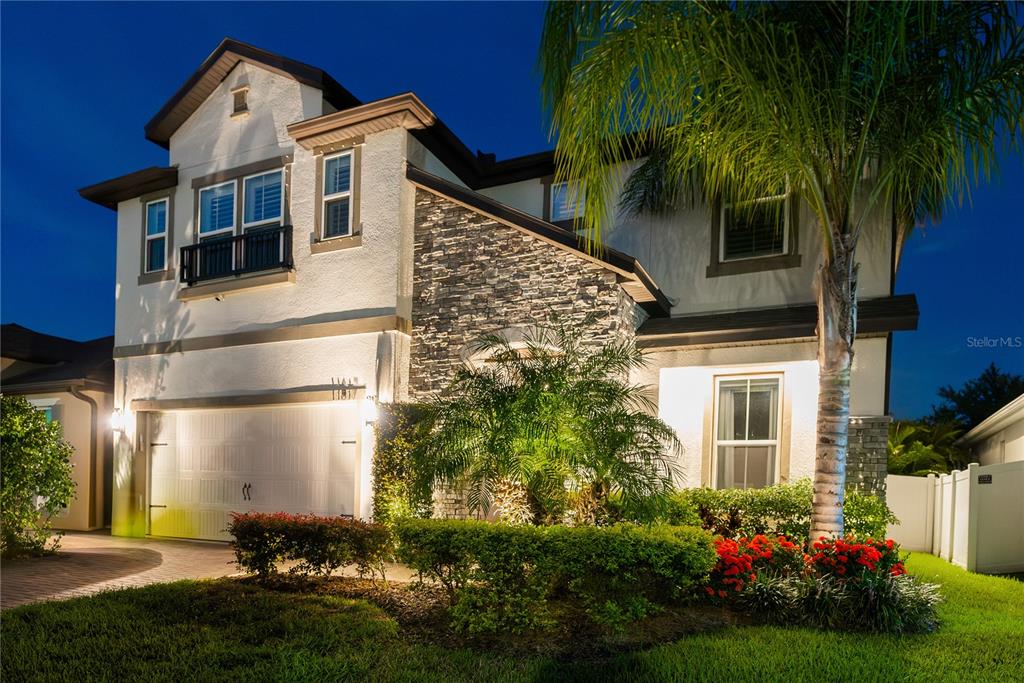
(974, 518)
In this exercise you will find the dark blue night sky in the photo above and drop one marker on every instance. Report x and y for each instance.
(79, 81)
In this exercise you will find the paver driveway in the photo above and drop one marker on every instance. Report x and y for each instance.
(91, 562)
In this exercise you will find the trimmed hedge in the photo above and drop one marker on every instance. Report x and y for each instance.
(780, 510)
(501, 577)
(320, 545)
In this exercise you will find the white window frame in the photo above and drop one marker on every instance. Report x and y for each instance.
(337, 195)
(777, 441)
(551, 202)
(200, 235)
(280, 213)
(167, 214)
(785, 229)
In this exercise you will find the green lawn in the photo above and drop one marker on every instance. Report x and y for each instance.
(230, 631)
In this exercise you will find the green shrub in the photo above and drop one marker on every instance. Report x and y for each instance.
(621, 573)
(35, 476)
(398, 491)
(501, 577)
(319, 545)
(783, 509)
(867, 515)
(891, 604)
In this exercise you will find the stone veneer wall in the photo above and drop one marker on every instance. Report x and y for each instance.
(473, 275)
(867, 457)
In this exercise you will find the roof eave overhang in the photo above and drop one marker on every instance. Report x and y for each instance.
(109, 192)
(400, 111)
(876, 317)
(1011, 412)
(56, 385)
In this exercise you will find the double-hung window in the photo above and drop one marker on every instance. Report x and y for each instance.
(563, 202)
(217, 210)
(156, 235)
(755, 229)
(263, 199)
(747, 432)
(337, 195)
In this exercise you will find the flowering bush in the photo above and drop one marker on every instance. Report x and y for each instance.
(847, 583)
(851, 559)
(740, 562)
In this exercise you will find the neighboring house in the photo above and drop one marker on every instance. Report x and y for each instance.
(73, 383)
(998, 438)
(305, 255)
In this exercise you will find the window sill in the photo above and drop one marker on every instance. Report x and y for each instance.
(245, 283)
(156, 276)
(335, 244)
(754, 265)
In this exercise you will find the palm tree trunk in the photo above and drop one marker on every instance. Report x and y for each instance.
(837, 316)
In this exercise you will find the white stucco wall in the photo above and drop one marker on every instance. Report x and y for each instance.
(675, 250)
(682, 381)
(373, 279)
(357, 281)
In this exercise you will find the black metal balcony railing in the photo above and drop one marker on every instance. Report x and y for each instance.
(258, 250)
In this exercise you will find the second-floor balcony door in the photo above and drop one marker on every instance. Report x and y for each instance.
(216, 229)
(263, 206)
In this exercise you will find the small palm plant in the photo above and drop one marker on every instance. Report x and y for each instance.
(917, 449)
(548, 429)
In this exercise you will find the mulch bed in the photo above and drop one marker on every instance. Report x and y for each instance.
(421, 610)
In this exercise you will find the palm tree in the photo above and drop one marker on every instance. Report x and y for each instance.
(860, 108)
(548, 422)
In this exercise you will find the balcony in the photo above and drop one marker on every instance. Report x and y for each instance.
(257, 251)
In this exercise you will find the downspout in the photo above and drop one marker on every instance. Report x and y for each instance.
(94, 408)
(893, 264)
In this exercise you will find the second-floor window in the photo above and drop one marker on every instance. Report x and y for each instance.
(755, 229)
(156, 235)
(217, 210)
(563, 203)
(337, 195)
(263, 199)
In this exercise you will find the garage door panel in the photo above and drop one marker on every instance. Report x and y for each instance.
(293, 459)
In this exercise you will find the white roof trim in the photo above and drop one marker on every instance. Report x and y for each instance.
(1011, 412)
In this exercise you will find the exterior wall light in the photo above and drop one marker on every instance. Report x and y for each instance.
(370, 409)
(118, 421)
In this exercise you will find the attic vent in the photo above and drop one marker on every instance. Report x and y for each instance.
(241, 104)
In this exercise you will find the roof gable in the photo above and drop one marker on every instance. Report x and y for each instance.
(215, 69)
(634, 279)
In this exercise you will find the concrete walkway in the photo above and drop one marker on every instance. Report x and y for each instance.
(89, 563)
(92, 562)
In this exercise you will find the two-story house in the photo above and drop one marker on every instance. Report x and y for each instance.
(304, 256)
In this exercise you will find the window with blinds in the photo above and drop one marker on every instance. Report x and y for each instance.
(563, 203)
(217, 209)
(756, 229)
(337, 195)
(263, 199)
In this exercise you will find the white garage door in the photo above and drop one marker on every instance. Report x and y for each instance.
(205, 464)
